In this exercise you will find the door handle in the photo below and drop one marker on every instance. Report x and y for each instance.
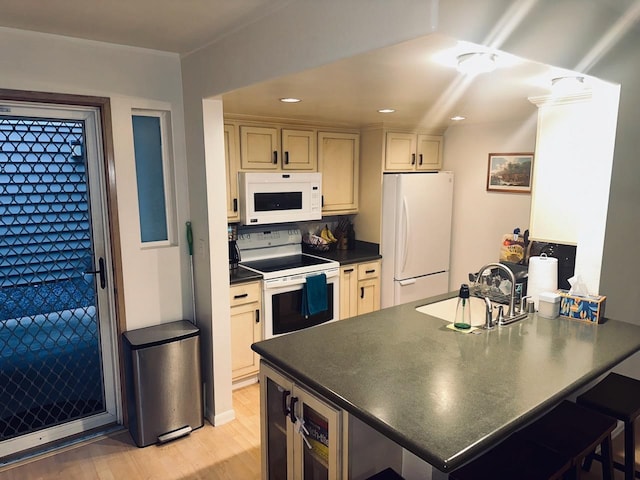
(100, 271)
(285, 409)
(348, 270)
(420, 159)
(370, 271)
(292, 411)
(361, 292)
(413, 159)
(286, 158)
(275, 157)
(257, 316)
(235, 204)
(242, 295)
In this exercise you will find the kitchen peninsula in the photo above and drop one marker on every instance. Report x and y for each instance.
(445, 396)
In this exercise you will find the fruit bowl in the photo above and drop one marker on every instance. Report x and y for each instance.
(317, 243)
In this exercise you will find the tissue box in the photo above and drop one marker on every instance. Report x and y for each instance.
(588, 308)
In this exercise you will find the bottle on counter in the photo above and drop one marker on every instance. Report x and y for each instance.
(463, 309)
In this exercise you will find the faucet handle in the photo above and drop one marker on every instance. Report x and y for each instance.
(500, 314)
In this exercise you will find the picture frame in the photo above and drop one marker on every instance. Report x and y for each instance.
(510, 172)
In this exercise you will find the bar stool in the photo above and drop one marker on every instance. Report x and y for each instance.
(574, 432)
(617, 396)
(515, 458)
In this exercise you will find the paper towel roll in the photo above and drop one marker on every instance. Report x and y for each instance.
(542, 276)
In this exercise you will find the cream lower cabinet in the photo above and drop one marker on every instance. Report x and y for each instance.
(290, 451)
(359, 288)
(246, 328)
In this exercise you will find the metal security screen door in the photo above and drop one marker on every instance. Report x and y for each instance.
(57, 372)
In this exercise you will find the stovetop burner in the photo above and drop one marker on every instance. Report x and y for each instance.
(288, 262)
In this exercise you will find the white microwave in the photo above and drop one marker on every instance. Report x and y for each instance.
(279, 197)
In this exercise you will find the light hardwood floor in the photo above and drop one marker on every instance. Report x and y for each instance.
(227, 452)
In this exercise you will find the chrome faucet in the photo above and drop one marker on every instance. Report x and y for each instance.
(511, 316)
(488, 315)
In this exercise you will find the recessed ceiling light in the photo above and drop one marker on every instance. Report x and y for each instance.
(290, 100)
(458, 118)
(386, 110)
(477, 62)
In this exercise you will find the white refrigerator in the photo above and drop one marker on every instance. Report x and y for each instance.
(416, 235)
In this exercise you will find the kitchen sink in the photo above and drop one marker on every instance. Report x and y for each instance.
(446, 310)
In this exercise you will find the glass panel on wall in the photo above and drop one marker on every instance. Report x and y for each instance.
(151, 176)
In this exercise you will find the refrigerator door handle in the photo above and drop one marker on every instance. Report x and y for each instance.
(408, 281)
(405, 232)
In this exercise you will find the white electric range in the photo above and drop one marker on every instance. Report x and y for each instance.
(277, 255)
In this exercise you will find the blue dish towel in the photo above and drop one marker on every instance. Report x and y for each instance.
(314, 295)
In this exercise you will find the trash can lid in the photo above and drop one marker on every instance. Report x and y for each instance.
(159, 334)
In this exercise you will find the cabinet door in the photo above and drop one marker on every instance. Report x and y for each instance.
(429, 152)
(259, 148)
(276, 430)
(400, 151)
(246, 328)
(299, 150)
(316, 450)
(368, 295)
(232, 164)
(288, 450)
(245, 300)
(338, 161)
(348, 291)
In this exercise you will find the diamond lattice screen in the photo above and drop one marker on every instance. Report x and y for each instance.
(50, 366)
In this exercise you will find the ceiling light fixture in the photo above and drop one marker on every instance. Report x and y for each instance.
(290, 100)
(386, 110)
(476, 63)
(458, 118)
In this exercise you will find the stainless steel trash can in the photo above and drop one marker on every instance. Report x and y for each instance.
(163, 378)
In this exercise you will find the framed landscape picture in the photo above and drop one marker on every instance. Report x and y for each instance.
(510, 172)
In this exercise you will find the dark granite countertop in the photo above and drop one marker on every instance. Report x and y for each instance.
(447, 396)
(363, 252)
(242, 275)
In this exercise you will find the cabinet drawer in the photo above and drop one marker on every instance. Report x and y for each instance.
(244, 293)
(368, 270)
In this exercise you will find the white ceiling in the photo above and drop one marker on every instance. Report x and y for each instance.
(406, 77)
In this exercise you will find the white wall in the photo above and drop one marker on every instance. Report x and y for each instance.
(481, 218)
(156, 282)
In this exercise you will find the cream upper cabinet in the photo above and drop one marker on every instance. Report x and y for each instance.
(246, 328)
(233, 164)
(412, 152)
(271, 148)
(359, 288)
(338, 161)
